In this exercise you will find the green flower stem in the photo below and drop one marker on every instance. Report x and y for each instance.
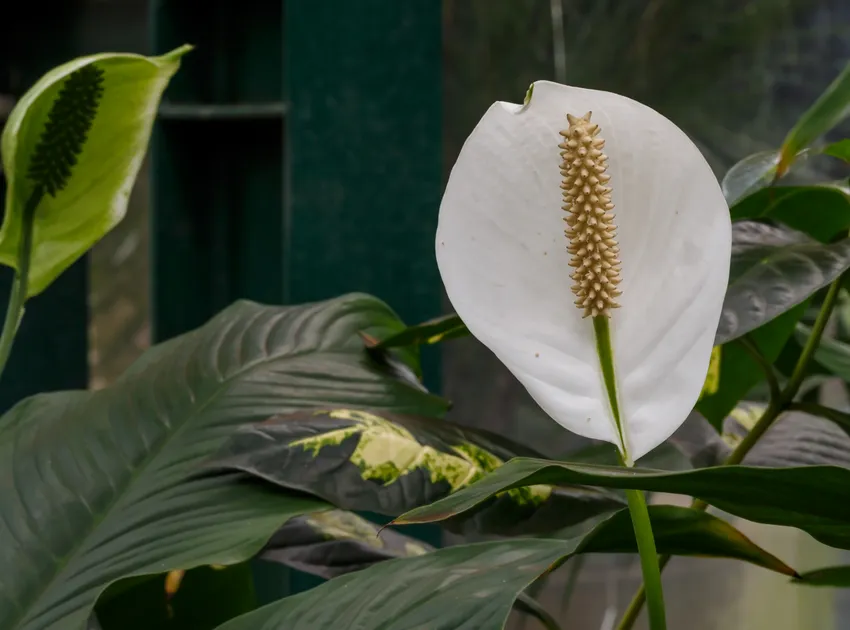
(649, 563)
(783, 401)
(764, 364)
(20, 285)
(637, 501)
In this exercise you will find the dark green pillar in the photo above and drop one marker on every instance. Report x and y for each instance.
(363, 139)
(363, 80)
(217, 170)
(297, 157)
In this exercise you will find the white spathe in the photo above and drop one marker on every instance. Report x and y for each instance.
(502, 255)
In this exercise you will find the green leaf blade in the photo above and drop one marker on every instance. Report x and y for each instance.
(840, 150)
(427, 333)
(773, 270)
(810, 498)
(475, 585)
(106, 485)
(389, 463)
(829, 110)
(838, 576)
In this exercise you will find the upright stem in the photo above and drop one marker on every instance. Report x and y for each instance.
(531, 606)
(648, 559)
(780, 402)
(764, 364)
(637, 502)
(20, 285)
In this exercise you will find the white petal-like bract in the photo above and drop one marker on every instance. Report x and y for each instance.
(503, 258)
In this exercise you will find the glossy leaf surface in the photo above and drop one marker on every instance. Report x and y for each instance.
(105, 485)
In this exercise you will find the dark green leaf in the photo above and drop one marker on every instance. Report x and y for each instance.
(474, 586)
(774, 269)
(334, 542)
(470, 586)
(829, 576)
(101, 486)
(813, 498)
(739, 372)
(829, 110)
(389, 464)
(821, 211)
(840, 150)
(752, 173)
(682, 532)
(430, 332)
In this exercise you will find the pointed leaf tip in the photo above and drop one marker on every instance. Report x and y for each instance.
(177, 53)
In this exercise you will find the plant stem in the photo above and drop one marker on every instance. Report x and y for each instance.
(767, 368)
(20, 285)
(812, 342)
(531, 606)
(782, 401)
(648, 559)
(635, 606)
(637, 501)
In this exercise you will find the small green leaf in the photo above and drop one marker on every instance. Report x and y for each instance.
(751, 174)
(474, 586)
(85, 178)
(812, 498)
(840, 150)
(773, 270)
(829, 110)
(829, 576)
(430, 332)
(387, 463)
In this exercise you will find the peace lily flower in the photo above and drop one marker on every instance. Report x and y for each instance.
(579, 213)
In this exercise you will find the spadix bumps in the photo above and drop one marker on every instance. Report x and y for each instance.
(591, 230)
(507, 268)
